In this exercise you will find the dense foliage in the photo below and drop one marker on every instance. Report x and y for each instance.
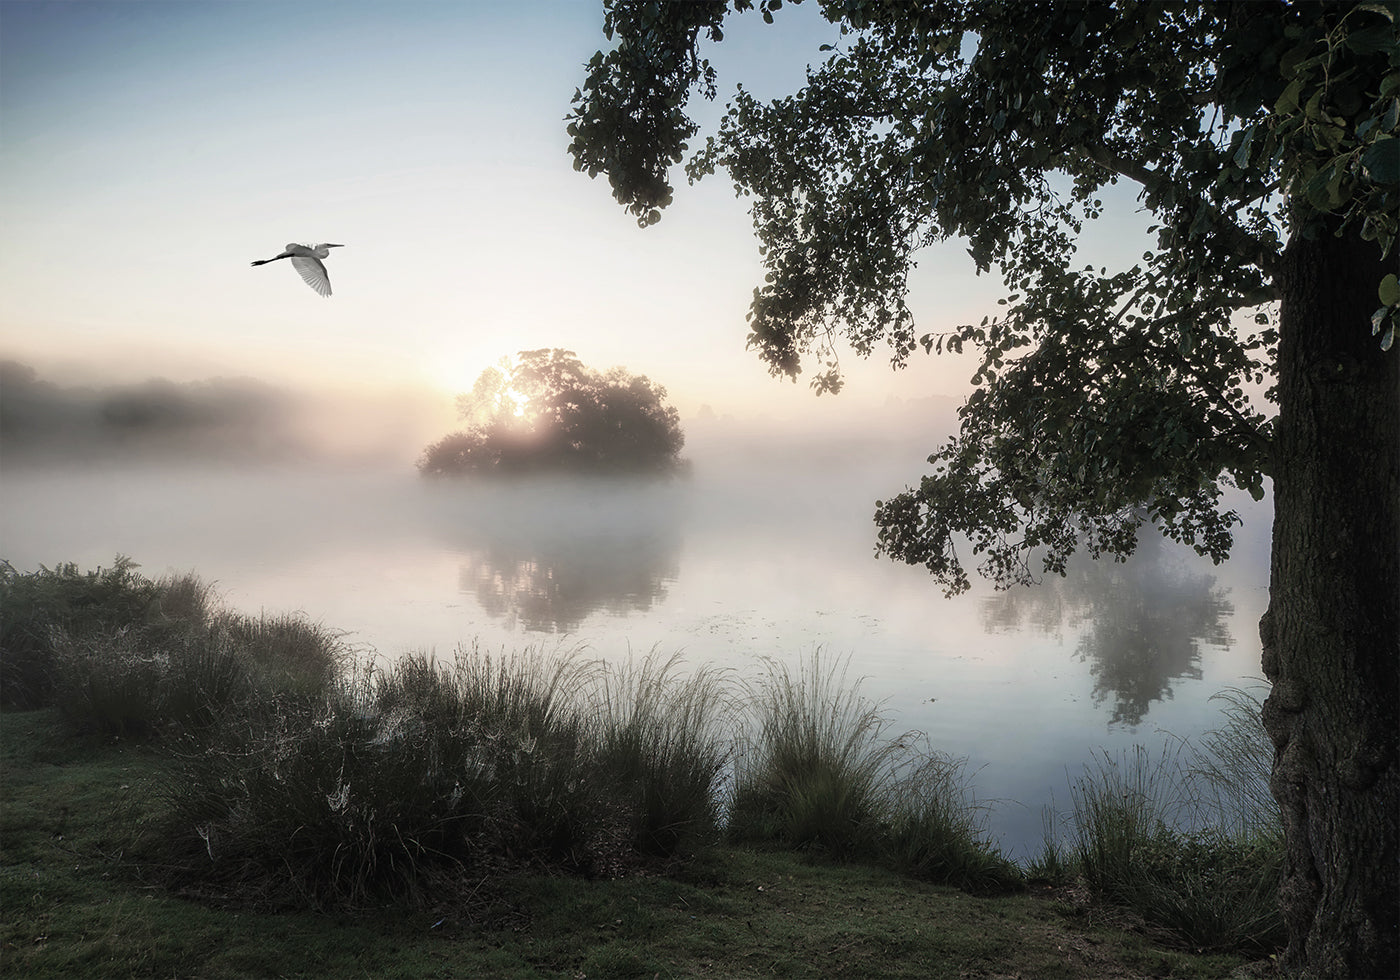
(547, 412)
(1104, 397)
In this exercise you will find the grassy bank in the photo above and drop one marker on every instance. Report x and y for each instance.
(83, 893)
(186, 784)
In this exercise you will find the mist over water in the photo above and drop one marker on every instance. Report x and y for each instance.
(765, 550)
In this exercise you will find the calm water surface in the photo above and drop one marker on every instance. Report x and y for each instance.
(765, 550)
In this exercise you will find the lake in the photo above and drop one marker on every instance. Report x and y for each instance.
(765, 550)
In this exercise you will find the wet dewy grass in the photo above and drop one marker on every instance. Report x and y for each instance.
(79, 899)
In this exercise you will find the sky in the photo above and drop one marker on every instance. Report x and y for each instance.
(150, 150)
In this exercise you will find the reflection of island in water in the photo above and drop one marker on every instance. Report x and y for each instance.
(545, 555)
(1143, 622)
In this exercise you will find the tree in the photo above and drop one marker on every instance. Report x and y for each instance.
(548, 412)
(1262, 138)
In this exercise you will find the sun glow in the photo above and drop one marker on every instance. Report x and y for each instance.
(512, 397)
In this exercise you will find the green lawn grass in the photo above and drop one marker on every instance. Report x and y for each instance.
(81, 895)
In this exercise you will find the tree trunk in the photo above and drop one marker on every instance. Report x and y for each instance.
(1331, 636)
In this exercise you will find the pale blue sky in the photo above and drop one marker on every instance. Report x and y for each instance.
(149, 151)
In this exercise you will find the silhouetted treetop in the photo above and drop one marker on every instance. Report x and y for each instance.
(546, 411)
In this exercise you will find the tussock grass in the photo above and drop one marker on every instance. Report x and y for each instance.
(1229, 767)
(664, 741)
(823, 772)
(323, 809)
(1189, 840)
(426, 777)
(812, 772)
(284, 655)
(937, 829)
(400, 778)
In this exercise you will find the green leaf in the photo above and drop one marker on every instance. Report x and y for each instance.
(1390, 290)
(1288, 100)
(1241, 156)
(1389, 337)
(1371, 39)
(1382, 161)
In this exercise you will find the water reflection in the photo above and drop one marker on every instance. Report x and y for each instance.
(544, 556)
(1141, 623)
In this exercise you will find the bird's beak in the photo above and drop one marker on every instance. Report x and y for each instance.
(329, 245)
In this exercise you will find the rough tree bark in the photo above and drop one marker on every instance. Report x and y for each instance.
(1331, 636)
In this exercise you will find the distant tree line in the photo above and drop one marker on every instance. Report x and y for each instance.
(547, 412)
(233, 417)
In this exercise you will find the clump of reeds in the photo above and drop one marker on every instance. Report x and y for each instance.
(823, 772)
(663, 742)
(812, 773)
(1191, 840)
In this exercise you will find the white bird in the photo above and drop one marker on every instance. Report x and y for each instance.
(307, 261)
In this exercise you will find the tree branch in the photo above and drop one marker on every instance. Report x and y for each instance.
(1240, 241)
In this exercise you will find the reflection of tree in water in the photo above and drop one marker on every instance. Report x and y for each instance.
(554, 586)
(1143, 623)
(546, 556)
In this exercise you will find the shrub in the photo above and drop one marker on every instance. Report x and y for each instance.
(119, 654)
(36, 607)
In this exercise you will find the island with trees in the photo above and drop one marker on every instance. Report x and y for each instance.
(544, 411)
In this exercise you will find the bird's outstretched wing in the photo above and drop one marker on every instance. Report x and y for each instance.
(313, 272)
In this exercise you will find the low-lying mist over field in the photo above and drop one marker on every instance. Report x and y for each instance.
(239, 419)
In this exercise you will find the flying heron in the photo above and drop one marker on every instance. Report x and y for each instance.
(307, 261)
